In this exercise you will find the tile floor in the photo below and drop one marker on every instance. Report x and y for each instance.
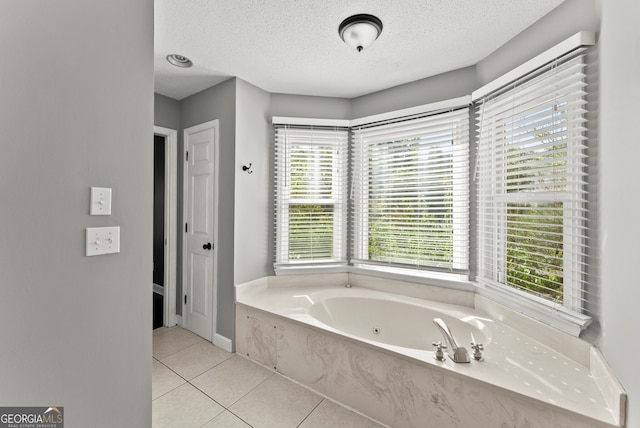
(196, 384)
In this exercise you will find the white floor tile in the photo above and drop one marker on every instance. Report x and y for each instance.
(276, 403)
(172, 341)
(163, 380)
(196, 359)
(226, 420)
(160, 330)
(184, 407)
(330, 414)
(231, 380)
(255, 396)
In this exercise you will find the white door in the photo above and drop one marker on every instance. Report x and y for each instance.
(200, 233)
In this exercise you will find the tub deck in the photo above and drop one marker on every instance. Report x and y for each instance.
(519, 373)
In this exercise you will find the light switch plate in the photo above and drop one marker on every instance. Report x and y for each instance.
(100, 201)
(103, 240)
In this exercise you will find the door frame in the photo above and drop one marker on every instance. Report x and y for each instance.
(170, 221)
(185, 191)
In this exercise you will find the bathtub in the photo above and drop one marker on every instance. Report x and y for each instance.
(372, 351)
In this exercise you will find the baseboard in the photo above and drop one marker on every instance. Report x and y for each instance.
(179, 320)
(222, 342)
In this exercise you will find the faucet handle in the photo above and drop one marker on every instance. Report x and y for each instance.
(477, 351)
(439, 355)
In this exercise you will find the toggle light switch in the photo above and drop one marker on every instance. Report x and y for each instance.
(100, 201)
(103, 240)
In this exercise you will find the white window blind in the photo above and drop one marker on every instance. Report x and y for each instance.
(411, 192)
(310, 192)
(532, 186)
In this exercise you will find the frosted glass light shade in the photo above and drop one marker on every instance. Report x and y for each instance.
(360, 31)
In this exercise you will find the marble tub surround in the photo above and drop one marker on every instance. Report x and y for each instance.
(523, 380)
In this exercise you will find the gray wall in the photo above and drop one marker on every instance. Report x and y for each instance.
(620, 187)
(218, 102)
(444, 86)
(76, 330)
(563, 22)
(254, 192)
(308, 106)
(166, 112)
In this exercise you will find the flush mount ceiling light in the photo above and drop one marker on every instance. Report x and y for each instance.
(179, 60)
(360, 31)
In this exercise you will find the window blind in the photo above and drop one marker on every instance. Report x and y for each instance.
(411, 192)
(310, 194)
(532, 185)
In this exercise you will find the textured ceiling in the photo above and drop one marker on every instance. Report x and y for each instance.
(293, 47)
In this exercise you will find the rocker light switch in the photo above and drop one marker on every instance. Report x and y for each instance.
(100, 201)
(103, 240)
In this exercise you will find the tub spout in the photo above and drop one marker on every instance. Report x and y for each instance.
(457, 353)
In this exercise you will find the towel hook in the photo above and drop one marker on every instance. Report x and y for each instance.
(247, 169)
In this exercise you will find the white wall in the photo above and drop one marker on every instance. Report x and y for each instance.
(620, 193)
(76, 110)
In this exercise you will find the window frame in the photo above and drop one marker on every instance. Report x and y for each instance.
(361, 193)
(568, 315)
(283, 199)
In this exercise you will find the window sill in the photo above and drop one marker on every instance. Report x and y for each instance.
(439, 279)
(310, 269)
(555, 316)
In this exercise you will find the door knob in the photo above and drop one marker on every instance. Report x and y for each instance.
(207, 246)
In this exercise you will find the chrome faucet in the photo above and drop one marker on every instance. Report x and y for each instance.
(457, 353)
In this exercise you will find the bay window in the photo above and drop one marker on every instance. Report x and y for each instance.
(406, 206)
